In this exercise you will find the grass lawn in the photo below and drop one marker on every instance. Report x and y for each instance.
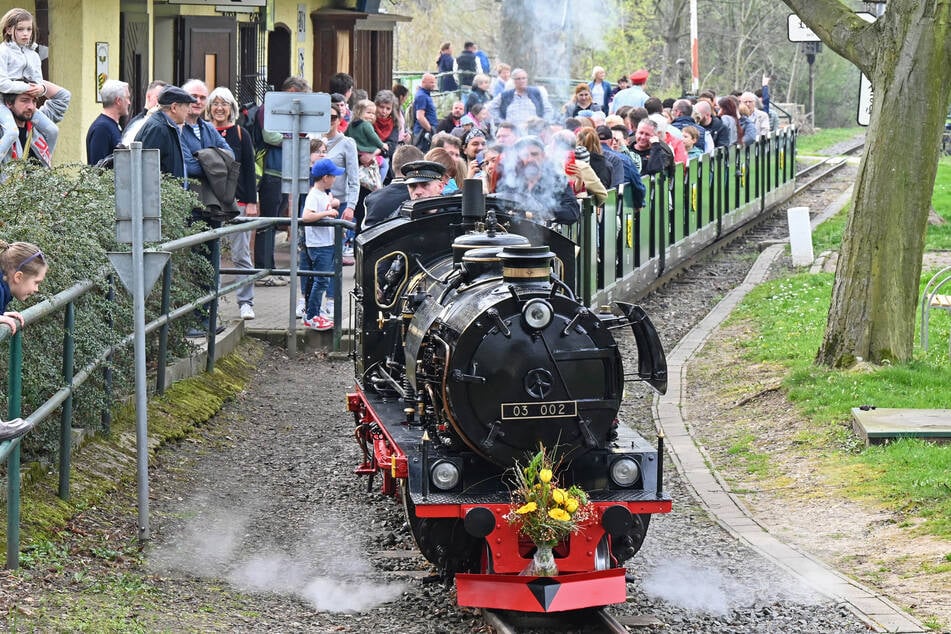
(789, 317)
(815, 143)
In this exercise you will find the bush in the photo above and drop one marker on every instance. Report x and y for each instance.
(69, 212)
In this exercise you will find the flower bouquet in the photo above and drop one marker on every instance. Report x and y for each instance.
(544, 512)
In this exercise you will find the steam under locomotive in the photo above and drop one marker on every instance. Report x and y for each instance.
(470, 350)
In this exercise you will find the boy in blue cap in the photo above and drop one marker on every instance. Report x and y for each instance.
(317, 253)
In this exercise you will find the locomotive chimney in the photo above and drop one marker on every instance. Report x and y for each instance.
(473, 201)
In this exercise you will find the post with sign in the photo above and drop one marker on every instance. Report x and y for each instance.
(139, 220)
(798, 32)
(295, 114)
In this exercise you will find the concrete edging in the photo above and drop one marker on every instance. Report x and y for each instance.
(711, 491)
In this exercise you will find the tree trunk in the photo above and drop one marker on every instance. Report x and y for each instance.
(907, 55)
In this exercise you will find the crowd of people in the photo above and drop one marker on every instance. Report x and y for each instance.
(383, 150)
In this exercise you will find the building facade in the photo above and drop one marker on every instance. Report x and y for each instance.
(247, 45)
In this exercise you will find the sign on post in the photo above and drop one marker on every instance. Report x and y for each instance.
(295, 114)
(138, 220)
(151, 202)
(797, 31)
(864, 115)
(280, 110)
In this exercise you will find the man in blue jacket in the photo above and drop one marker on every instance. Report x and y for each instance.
(161, 131)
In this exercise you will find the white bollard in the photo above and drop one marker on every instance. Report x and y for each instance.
(800, 236)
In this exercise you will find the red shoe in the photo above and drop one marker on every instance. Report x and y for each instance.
(319, 323)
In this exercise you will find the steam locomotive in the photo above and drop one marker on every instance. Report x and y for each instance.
(470, 349)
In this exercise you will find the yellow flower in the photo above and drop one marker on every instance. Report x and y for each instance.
(559, 496)
(545, 475)
(571, 505)
(559, 514)
(527, 508)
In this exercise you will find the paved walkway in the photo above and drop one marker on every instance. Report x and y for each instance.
(713, 493)
(272, 307)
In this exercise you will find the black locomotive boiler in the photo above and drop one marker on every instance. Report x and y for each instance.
(470, 350)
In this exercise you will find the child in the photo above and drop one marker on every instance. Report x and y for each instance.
(24, 268)
(20, 72)
(318, 150)
(361, 130)
(318, 251)
(691, 138)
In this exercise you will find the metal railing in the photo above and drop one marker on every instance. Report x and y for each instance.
(73, 378)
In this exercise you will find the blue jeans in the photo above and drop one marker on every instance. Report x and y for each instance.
(313, 288)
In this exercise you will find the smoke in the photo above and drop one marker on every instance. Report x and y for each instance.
(515, 176)
(545, 37)
(703, 588)
(322, 565)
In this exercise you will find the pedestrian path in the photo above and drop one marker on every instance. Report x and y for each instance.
(878, 612)
(272, 308)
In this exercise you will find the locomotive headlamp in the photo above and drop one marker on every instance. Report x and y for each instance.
(444, 475)
(537, 313)
(625, 472)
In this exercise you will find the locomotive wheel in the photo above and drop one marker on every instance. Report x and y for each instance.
(443, 542)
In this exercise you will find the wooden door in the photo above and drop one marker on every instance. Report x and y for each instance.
(207, 50)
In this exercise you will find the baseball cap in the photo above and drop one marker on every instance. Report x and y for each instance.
(174, 94)
(325, 166)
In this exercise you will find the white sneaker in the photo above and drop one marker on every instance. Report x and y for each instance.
(328, 309)
(301, 308)
(348, 251)
(246, 311)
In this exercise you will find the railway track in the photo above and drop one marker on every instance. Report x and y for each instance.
(805, 178)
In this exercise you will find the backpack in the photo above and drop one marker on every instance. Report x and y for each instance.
(252, 120)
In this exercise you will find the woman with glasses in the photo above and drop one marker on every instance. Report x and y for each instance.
(222, 112)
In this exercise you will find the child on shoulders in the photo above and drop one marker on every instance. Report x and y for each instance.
(20, 72)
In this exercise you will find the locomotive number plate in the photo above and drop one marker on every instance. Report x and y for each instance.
(550, 409)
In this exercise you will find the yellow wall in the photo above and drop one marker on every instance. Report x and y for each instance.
(76, 25)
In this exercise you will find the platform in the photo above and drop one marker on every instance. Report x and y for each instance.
(272, 303)
(883, 424)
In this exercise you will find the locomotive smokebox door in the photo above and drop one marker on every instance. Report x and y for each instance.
(530, 370)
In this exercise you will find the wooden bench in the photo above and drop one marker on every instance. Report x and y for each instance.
(933, 297)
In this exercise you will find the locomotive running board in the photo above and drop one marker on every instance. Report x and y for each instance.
(651, 361)
(541, 594)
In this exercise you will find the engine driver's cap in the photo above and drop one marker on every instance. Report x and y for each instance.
(422, 172)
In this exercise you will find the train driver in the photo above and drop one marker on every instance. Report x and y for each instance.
(424, 179)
